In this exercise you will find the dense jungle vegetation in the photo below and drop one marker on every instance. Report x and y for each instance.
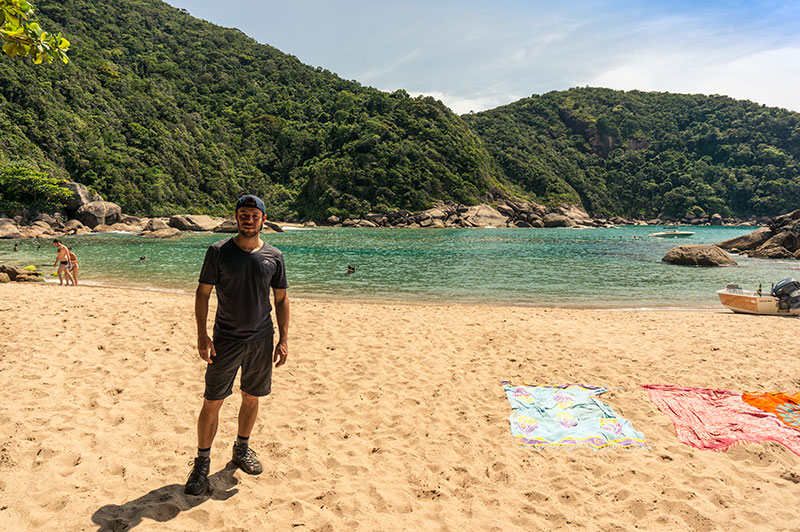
(163, 113)
(646, 153)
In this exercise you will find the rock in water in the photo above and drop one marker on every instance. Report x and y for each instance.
(193, 222)
(698, 255)
(99, 212)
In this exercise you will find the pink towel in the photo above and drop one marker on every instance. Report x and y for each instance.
(717, 419)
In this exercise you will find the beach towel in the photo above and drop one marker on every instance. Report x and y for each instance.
(569, 415)
(718, 419)
(783, 405)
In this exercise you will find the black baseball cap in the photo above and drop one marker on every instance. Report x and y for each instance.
(248, 200)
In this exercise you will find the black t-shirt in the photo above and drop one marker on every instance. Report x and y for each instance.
(243, 280)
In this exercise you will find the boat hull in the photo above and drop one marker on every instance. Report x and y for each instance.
(752, 303)
(673, 234)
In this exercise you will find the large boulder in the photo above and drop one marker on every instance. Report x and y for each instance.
(37, 230)
(558, 220)
(74, 227)
(748, 241)
(193, 222)
(155, 224)
(169, 232)
(11, 271)
(771, 251)
(44, 217)
(484, 216)
(80, 196)
(10, 231)
(698, 255)
(575, 212)
(716, 219)
(99, 212)
(271, 227)
(29, 277)
(5, 278)
(227, 226)
(783, 220)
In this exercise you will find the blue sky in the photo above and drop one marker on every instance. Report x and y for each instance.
(475, 55)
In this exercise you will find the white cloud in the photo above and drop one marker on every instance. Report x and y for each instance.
(771, 77)
(464, 104)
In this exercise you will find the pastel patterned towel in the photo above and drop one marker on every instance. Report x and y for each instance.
(717, 419)
(567, 415)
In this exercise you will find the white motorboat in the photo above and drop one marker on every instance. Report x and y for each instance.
(673, 234)
(783, 301)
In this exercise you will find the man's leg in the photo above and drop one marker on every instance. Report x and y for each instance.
(247, 414)
(208, 421)
(243, 455)
(60, 274)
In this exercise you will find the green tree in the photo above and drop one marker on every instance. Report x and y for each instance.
(22, 187)
(25, 38)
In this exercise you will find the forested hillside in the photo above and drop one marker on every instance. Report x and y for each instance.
(648, 154)
(161, 112)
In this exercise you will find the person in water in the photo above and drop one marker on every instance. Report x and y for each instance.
(243, 269)
(350, 270)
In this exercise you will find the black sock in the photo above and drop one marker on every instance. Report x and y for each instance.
(204, 453)
(241, 441)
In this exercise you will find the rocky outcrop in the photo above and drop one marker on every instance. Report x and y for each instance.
(227, 226)
(698, 255)
(4, 278)
(193, 222)
(779, 240)
(558, 220)
(10, 230)
(155, 224)
(601, 143)
(99, 212)
(11, 271)
(272, 226)
(169, 232)
(748, 241)
(484, 216)
(80, 196)
(74, 227)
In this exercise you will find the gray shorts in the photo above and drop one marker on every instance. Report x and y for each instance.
(255, 359)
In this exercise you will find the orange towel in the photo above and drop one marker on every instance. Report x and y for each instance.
(785, 406)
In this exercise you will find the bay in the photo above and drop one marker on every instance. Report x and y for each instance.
(603, 267)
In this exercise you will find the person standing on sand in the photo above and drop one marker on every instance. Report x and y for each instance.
(243, 269)
(73, 266)
(62, 261)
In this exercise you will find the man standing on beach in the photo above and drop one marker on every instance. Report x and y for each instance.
(62, 261)
(243, 269)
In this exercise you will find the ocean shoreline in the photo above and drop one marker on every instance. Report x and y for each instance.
(320, 298)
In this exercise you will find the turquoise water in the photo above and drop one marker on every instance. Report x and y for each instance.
(560, 267)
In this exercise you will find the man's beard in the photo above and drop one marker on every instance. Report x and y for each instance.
(250, 233)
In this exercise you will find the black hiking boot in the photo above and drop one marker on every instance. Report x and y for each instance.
(197, 483)
(245, 459)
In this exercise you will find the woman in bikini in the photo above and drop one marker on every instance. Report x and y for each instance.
(73, 267)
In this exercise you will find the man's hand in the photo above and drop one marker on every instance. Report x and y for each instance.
(204, 344)
(281, 352)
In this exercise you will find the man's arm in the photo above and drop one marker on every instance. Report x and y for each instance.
(282, 314)
(204, 343)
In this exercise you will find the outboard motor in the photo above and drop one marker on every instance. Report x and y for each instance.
(788, 293)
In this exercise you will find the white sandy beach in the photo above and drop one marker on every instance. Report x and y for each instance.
(385, 417)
